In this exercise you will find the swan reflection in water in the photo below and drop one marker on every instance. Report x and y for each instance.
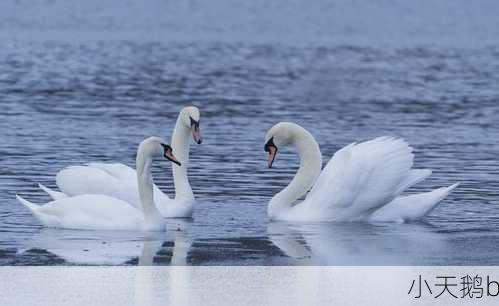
(77, 247)
(149, 285)
(359, 243)
(299, 244)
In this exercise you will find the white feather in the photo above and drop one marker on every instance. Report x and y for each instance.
(359, 180)
(55, 195)
(119, 181)
(104, 212)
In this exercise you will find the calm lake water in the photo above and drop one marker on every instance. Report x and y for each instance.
(71, 99)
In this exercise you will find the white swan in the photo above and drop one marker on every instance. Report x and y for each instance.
(119, 181)
(94, 211)
(361, 182)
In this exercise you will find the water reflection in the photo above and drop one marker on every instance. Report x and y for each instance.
(147, 291)
(358, 243)
(56, 246)
(182, 240)
(284, 244)
(82, 109)
(89, 247)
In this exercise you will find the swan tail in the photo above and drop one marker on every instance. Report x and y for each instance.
(55, 195)
(32, 206)
(412, 207)
(36, 210)
(415, 176)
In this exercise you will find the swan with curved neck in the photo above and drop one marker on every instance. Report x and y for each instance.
(93, 211)
(118, 180)
(310, 163)
(362, 182)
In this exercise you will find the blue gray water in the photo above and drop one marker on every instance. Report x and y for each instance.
(84, 89)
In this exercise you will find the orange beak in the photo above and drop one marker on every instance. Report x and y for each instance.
(196, 134)
(271, 148)
(168, 154)
(272, 154)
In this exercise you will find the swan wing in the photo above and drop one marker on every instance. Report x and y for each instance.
(362, 177)
(415, 176)
(117, 170)
(115, 180)
(96, 212)
(80, 180)
(127, 174)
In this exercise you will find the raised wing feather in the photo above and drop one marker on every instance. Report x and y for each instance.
(360, 178)
(415, 176)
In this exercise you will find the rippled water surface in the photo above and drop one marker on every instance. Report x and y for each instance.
(71, 101)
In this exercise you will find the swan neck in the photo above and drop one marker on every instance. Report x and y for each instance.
(306, 176)
(145, 183)
(181, 145)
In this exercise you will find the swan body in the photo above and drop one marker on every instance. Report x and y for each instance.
(87, 211)
(119, 180)
(105, 212)
(362, 181)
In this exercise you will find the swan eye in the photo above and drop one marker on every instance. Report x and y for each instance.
(166, 148)
(194, 123)
(196, 132)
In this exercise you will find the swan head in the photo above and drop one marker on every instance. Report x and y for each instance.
(156, 146)
(278, 135)
(282, 134)
(190, 118)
